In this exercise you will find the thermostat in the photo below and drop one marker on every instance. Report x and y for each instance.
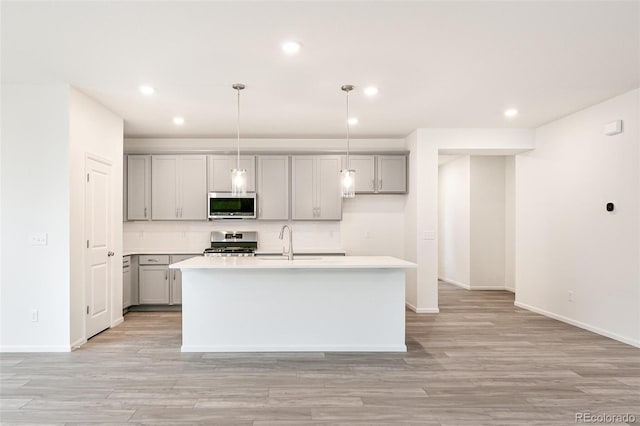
(613, 128)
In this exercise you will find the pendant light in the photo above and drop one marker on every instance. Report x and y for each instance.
(238, 175)
(347, 175)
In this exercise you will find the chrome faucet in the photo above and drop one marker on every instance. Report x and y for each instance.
(281, 236)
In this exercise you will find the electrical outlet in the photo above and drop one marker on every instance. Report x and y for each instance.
(570, 296)
(34, 315)
(38, 239)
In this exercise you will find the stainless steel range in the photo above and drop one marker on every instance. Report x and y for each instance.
(232, 243)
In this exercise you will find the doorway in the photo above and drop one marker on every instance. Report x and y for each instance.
(476, 221)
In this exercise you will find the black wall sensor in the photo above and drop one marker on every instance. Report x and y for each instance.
(610, 207)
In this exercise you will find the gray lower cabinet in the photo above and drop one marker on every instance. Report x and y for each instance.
(154, 284)
(126, 282)
(159, 285)
(176, 279)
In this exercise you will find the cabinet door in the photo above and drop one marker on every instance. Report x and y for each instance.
(193, 188)
(328, 198)
(164, 187)
(303, 182)
(176, 287)
(219, 172)
(154, 285)
(176, 279)
(364, 165)
(138, 187)
(392, 173)
(273, 187)
(126, 287)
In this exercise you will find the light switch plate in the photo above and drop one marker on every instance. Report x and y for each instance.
(39, 239)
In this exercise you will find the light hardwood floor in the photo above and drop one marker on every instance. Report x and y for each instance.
(481, 361)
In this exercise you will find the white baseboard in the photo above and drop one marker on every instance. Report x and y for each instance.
(296, 348)
(475, 287)
(81, 341)
(35, 348)
(488, 287)
(579, 324)
(512, 290)
(456, 283)
(117, 322)
(422, 310)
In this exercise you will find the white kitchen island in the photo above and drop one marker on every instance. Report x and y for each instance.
(266, 304)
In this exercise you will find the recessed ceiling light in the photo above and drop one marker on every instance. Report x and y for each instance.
(511, 112)
(353, 120)
(178, 121)
(291, 47)
(371, 91)
(146, 90)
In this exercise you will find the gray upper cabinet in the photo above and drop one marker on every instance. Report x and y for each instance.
(193, 187)
(273, 187)
(179, 187)
(138, 187)
(391, 173)
(365, 167)
(315, 187)
(219, 171)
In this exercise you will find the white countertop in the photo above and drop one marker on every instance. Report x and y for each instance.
(138, 252)
(318, 252)
(320, 262)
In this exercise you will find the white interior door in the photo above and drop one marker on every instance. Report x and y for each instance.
(98, 234)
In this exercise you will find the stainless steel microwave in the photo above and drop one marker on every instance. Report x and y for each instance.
(224, 205)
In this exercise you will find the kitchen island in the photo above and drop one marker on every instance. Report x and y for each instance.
(266, 304)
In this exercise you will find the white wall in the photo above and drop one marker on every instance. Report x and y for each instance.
(454, 238)
(35, 199)
(566, 240)
(421, 216)
(510, 223)
(97, 132)
(411, 223)
(487, 222)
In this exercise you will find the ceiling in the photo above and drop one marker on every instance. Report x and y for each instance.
(436, 64)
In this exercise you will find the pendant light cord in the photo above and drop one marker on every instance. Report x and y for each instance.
(348, 163)
(238, 132)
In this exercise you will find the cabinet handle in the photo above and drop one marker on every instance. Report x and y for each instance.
(373, 184)
(380, 184)
(145, 212)
(174, 274)
(180, 211)
(152, 260)
(166, 275)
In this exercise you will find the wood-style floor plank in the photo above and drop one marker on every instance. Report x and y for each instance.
(481, 361)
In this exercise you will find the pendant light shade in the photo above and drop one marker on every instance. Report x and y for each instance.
(347, 175)
(238, 175)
